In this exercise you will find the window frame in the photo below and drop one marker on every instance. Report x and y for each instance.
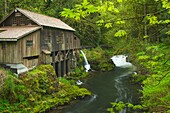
(29, 43)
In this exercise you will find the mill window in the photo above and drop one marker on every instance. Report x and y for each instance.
(58, 41)
(29, 43)
(14, 22)
(22, 20)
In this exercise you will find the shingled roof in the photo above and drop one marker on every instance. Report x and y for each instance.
(44, 20)
(15, 33)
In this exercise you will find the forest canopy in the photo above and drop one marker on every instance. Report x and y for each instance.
(102, 22)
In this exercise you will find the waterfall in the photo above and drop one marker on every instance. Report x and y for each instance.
(122, 91)
(86, 65)
(120, 61)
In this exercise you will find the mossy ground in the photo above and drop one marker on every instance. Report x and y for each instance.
(36, 91)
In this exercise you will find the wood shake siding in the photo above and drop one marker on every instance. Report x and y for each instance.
(29, 55)
(8, 52)
(18, 52)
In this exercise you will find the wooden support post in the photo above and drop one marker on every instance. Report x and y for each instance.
(68, 66)
(59, 68)
(64, 62)
(62, 68)
(53, 59)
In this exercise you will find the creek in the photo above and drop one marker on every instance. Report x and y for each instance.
(112, 86)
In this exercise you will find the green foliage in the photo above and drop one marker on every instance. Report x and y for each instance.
(98, 17)
(79, 72)
(99, 59)
(79, 11)
(155, 90)
(119, 106)
(152, 19)
(37, 91)
(120, 33)
(41, 80)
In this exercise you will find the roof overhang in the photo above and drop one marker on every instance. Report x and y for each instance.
(15, 33)
(8, 39)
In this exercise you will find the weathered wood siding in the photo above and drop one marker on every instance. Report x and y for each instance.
(76, 43)
(57, 39)
(46, 58)
(29, 55)
(8, 52)
(17, 19)
(28, 51)
(19, 52)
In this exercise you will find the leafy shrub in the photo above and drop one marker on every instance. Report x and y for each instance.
(156, 86)
(119, 106)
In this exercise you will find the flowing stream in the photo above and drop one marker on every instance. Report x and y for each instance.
(112, 86)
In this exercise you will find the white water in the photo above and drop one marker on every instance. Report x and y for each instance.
(86, 65)
(120, 61)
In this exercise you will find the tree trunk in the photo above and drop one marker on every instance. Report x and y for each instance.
(145, 23)
(5, 7)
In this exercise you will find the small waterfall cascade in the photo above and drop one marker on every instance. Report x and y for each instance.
(122, 91)
(120, 61)
(86, 65)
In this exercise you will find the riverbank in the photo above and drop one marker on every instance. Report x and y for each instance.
(37, 90)
(105, 87)
(152, 62)
(40, 90)
(153, 71)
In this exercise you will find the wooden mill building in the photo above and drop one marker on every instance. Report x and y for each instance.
(28, 39)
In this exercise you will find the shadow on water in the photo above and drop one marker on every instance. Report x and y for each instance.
(112, 86)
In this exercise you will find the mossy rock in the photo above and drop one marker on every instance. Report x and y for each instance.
(42, 79)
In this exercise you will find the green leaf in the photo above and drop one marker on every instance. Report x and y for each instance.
(111, 8)
(91, 9)
(116, 10)
(120, 22)
(165, 22)
(168, 32)
(146, 36)
(100, 22)
(144, 57)
(67, 13)
(141, 53)
(152, 19)
(108, 25)
(119, 1)
(85, 3)
(120, 33)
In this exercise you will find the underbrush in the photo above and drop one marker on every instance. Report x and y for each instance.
(99, 59)
(36, 91)
(156, 87)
